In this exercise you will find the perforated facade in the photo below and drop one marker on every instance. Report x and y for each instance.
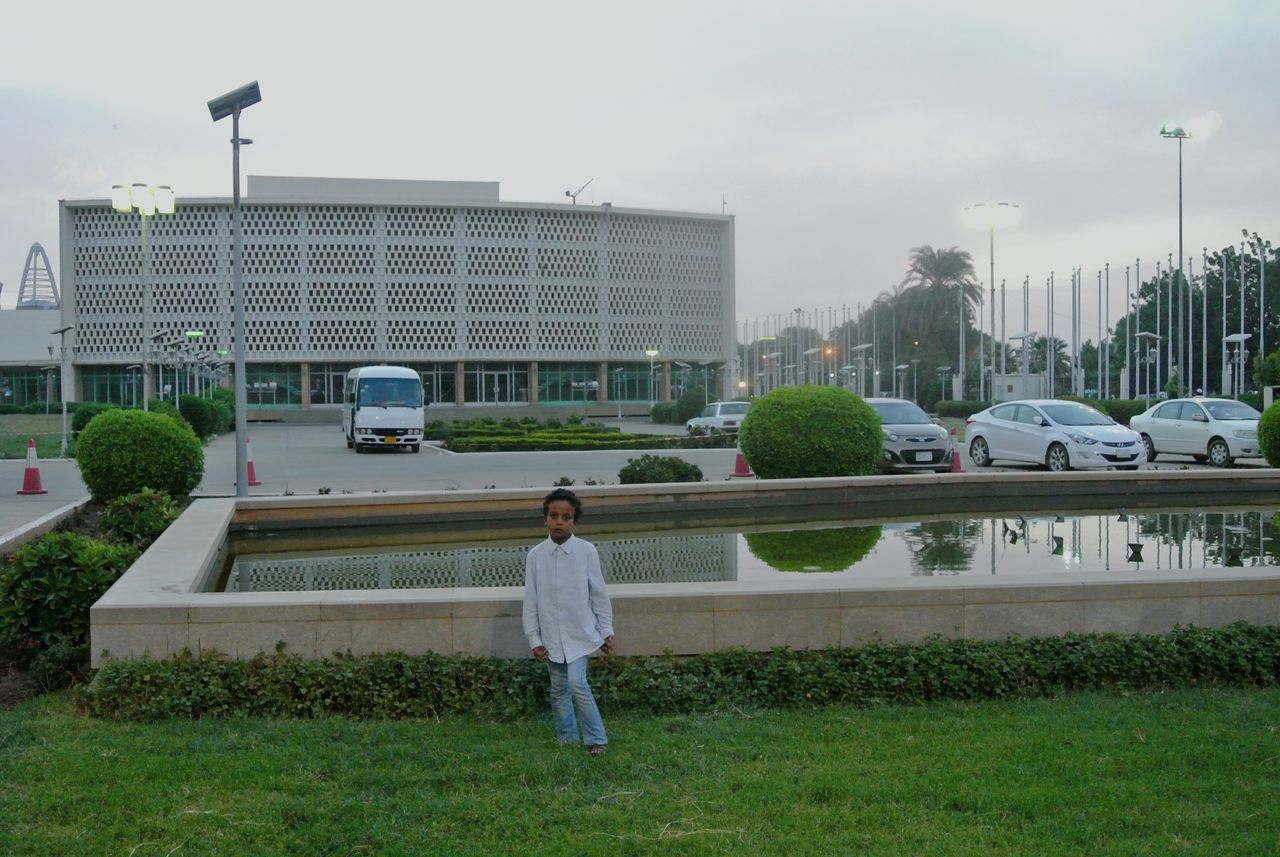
(433, 274)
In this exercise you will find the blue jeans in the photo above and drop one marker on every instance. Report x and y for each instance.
(570, 691)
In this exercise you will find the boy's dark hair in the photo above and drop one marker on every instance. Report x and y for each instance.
(566, 495)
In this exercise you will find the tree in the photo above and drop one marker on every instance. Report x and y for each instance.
(939, 284)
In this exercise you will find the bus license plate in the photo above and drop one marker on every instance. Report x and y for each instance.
(389, 439)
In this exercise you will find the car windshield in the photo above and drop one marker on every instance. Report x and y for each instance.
(1230, 411)
(734, 408)
(899, 413)
(1072, 414)
(390, 393)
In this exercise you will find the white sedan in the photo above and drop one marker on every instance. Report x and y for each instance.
(1215, 430)
(1059, 434)
(724, 416)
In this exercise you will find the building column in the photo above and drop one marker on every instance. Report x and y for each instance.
(665, 388)
(459, 384)
(533, 382)
(602, 383)
(305, 383)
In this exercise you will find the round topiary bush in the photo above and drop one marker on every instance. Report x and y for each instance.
(122, 452)
(831, 549)
(86, 412)
(1269, 434)
(658, 468)
(811, 431)
(198, 412)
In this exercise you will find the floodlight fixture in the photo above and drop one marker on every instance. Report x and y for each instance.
(234, 101)
(1174, 131)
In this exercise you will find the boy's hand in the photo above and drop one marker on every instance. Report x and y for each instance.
(540, 653)
(607, 645)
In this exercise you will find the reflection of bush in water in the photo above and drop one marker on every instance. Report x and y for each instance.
(813, 550)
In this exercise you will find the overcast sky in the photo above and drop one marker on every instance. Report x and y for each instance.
(841, 135)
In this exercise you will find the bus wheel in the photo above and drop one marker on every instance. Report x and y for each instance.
(350, 442)
(359, 448)
(416, 447)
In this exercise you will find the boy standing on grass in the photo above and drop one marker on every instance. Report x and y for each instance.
(567, 616)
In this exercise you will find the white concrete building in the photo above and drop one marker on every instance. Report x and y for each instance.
(493, 302)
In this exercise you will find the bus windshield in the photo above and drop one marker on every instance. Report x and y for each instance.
(389, 393)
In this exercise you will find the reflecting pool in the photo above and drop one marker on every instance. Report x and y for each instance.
(1118, 542)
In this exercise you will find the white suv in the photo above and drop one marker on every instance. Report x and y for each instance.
(725, 416)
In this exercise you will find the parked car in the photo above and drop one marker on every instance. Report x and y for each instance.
(725, 416)
(912, 441)
(1215, 430)
(1059, 434)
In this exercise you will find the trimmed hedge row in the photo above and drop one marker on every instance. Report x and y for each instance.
(394, 685)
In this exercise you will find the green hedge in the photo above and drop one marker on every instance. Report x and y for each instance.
(568, 442)
(658, 468)
(86, 412)
(394, 685)
(1123, 410)
(960, 408)
(1269, 434)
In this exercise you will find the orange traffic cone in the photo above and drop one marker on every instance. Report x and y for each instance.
(741, 468)
(248, 447)
(955, 454)
(31, 476)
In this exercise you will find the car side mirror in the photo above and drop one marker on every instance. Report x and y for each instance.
(1199, 418)
(1041, 421)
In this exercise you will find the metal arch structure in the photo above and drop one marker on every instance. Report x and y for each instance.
(38, 289)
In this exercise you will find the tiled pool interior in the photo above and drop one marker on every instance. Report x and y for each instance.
(1010, 544)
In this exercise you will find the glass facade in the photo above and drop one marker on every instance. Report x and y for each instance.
(632, 382)
(439, 382)
(567, 383)
(495, 383)
(118, 385)
(25, 385)
(327, 380)
(273, 385)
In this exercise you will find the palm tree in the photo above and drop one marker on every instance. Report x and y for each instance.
(937, 283)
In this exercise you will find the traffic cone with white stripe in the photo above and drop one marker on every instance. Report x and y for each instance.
(253, 477)
(741, 469)
(31, 476)
(955, 454)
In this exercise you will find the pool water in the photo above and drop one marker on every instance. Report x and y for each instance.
(1120, 543)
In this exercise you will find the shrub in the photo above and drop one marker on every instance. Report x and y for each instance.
(122, 452)
(198, 412)
(46, 589)
(166, 408)
(431, 685)
(225, 396)
(663, 413)
(960, 408)
(1123, 410)
(689, 405)
(7, 409)
(138, 519)
(830, 549)
(86, 412)
(223, 421)
(658, 468)
(811, 431)
(1269, 434)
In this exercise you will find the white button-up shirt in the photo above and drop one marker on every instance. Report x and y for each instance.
(566, 606)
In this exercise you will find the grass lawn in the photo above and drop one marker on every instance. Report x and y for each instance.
(1168, 773)
(17, 429)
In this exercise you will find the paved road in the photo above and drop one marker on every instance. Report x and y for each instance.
(303, 459)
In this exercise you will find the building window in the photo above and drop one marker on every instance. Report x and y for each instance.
(117, 385)
(273, 385)
(29, 385)
(495, 383)
(567, 383)
(633, 382)
(326, 382)
(438, 381)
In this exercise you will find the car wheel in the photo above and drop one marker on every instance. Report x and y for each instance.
(1127, 467)
(979, 452)
(1219, 453)
(1151, 447)
(1057, 459)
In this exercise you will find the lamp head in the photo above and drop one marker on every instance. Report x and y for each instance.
(237, 99)
(1174, 131)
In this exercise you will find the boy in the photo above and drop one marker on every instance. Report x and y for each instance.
(567, 616)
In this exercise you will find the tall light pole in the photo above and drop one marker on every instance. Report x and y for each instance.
(148, 201)
(61, 333)
(219, 108)
(1263, 249)
(989, 215)
(652, 352)
(1173, 131)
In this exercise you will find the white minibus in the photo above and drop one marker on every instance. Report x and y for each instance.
(383, 406)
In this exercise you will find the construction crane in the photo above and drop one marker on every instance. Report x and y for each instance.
(573, 194)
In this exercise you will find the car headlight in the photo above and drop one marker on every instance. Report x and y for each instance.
(1245, 433)
(1082, 439)
(891, 436)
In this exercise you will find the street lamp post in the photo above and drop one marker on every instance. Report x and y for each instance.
(1173, 131)
(652, 352)
(61, 333)
(1263, 249)
(219, 108)
(989, 215)
(1147, 335)
(148, 201)
(915, 388)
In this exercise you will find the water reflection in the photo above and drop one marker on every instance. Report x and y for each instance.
(1129, 542)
